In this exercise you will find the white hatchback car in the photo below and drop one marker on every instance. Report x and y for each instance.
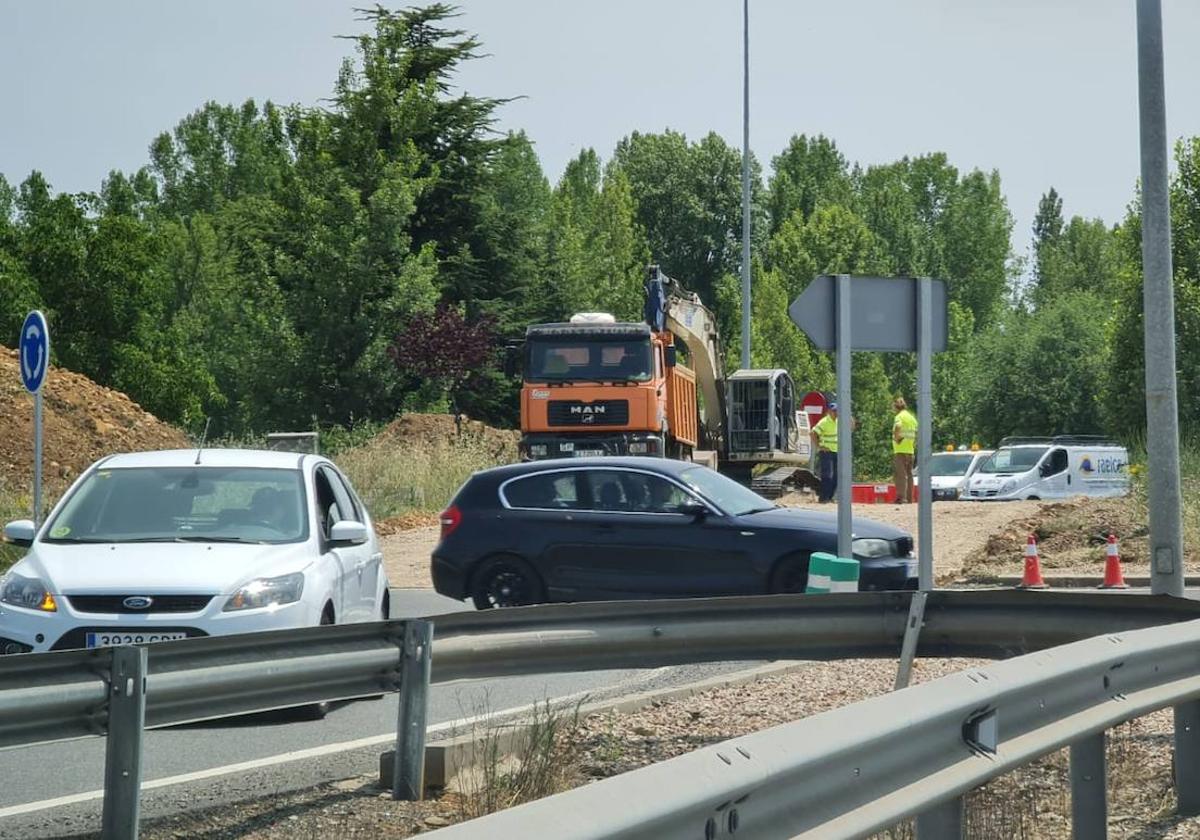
(154, 546)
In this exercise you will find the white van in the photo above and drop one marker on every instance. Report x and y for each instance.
(1052, 468)
(950, 471)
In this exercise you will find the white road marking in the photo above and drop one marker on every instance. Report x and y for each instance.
(311, 752)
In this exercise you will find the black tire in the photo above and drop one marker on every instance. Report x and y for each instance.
(790, 575)
(317, 711)
(506, 581)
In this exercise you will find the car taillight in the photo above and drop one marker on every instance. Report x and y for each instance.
(450, 518)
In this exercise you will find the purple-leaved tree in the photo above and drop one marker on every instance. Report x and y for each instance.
(445, 348)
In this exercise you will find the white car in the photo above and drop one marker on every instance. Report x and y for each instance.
(154, 546)
(950, 471)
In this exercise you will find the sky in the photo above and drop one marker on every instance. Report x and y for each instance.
(1045, 91)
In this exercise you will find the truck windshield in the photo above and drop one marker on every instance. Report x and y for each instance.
(1020, 459)
(582, 360)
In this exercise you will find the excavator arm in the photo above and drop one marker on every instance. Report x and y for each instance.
(670, 306)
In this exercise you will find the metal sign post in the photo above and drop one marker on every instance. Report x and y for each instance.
(34, 363)
(845, 454)
(883, 314)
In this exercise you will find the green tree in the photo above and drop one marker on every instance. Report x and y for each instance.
(808, 173)
(1042, 373)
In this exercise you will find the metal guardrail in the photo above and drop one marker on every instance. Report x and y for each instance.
(861, 768)
(71, 694)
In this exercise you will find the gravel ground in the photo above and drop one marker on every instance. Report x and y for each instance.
(959, 528)
(1031, 804)
(406, 557)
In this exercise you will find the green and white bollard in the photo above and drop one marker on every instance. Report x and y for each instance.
(827, 573)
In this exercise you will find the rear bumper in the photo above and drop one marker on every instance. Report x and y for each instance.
(541, 445)
(448, 580)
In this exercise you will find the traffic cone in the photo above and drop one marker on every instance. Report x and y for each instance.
(1113, 577)
(1032, 578)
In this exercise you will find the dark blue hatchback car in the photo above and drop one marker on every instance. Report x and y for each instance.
(614, 528)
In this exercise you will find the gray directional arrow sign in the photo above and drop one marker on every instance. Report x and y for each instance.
(883, 313)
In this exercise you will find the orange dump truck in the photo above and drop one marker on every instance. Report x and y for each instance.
(596, 386)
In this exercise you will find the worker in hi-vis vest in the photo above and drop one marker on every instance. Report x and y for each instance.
(904, 439)
(825, 441)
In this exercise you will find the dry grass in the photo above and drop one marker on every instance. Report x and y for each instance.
(396, 478)
(512, 766)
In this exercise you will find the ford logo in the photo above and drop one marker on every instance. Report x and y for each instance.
(137, 602)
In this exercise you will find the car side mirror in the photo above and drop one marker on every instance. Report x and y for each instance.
(697, 510)
(1045, 469)
(20, 532)
(348, 532)
(672, 356)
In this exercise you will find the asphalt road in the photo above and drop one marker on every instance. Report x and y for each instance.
(53, 790)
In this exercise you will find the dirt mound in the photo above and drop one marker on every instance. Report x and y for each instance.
(81, 421)
(425, 430)
(1070, 534)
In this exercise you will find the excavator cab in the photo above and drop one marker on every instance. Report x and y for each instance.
(762, 413)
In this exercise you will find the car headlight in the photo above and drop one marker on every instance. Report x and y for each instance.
(30, 593)
(537, 449)
(265, 592)
(871, 548)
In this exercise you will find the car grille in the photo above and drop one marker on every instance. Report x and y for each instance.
(579, 413)
(77, 638)
(159, 603)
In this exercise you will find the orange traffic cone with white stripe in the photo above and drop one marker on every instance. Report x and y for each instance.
(1113, 577)
(1032, 579)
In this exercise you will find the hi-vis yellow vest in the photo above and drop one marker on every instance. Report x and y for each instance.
(908, 433)
(826, 431)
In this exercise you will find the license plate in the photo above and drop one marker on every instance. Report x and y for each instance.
(589, 453)
(93, 640)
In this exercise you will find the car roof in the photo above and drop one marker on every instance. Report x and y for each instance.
(666, 466)
(264, 458)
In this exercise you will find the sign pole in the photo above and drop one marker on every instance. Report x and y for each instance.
(916, 608)
(34, 362)
(37, 458)
(845, 454)
(924, 431)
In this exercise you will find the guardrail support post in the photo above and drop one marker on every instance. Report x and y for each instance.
(942, 822)
(912, 633)
(123, 751)
(1187, 757)
(1089, 789)
(408, 772)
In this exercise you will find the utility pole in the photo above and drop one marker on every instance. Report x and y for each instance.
(745, 183)
(1162, 412)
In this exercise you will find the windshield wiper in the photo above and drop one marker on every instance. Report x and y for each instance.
(186, 538)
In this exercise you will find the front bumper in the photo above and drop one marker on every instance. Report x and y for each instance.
(29, 631)
(539, 446)
(887, 574)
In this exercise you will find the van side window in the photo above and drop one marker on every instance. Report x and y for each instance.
(1056, 463)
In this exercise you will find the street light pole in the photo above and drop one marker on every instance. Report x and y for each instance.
(745, 183)
(1162, 412)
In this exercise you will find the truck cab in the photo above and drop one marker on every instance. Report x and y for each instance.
(596, 386)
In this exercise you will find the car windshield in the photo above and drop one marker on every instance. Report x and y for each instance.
(725, 493)
(950, 464)
(570, 359)
(1018, 459)
(184, 504)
